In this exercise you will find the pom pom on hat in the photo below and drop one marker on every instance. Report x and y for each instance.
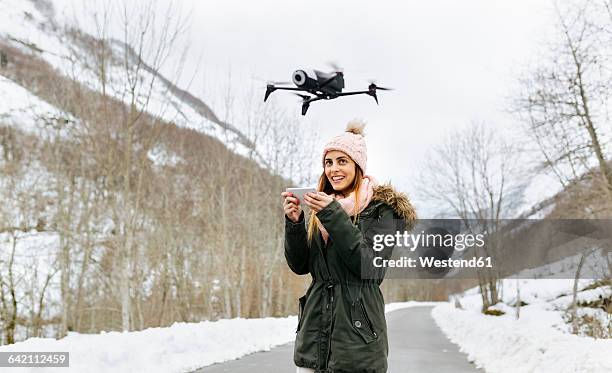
(351, 142)
(355, 127)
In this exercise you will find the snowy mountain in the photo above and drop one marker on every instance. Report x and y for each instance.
(33, 27)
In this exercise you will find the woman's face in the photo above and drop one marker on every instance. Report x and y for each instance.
(340, 170)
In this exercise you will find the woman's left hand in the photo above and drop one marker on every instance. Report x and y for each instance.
(317, 201)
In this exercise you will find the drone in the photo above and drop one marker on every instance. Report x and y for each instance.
(321, 86)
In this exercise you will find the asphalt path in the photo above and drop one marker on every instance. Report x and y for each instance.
(416, 344)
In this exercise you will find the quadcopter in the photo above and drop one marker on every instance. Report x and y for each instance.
(321, 85)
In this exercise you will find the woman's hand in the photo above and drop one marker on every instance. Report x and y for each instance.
(292, 207)
(317, 201)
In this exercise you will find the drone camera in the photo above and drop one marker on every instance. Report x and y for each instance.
(302, 79)
(299, 78)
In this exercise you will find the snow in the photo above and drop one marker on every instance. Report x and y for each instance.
(23, 110)
(501, 344)
(584, 296)
(33, 262)
(540, 189)
(21, 22)
(595, 266)
(400, 305)
(27, 188)
(539, 341)
(182, 347)
(160, 156)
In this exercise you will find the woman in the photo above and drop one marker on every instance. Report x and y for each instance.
(341, 320)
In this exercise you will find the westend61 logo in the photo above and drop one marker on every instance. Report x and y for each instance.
(412, 241)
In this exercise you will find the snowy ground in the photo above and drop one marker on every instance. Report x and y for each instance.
(182, 347)
(22, 109)
(539, 341)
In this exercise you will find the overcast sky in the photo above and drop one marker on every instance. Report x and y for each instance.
(450, 62)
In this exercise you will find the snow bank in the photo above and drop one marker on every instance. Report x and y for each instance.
(539, 341)
(501, 344)
(182, 347)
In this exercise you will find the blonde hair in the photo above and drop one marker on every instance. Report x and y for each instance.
(326, 187)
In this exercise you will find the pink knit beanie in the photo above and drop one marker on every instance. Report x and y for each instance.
(350, 142)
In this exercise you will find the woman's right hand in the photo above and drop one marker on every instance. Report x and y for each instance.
(292, 207)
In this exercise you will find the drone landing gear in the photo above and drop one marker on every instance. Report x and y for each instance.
(306, 100)
(373, 94)
(269, 89)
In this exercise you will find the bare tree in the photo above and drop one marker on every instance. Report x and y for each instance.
(564, 100)
(474, 176)
(148, 37)
(8, 290)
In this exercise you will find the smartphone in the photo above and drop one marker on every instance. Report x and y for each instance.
(300, 192)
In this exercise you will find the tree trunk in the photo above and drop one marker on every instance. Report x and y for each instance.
(518, 298)
(574, 305)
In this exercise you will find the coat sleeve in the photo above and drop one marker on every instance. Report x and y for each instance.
(296, 246)
(355, 247)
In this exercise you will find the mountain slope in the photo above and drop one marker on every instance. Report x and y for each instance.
(31, 27)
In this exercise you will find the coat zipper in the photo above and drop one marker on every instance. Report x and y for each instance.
(330, 289)
(365, 316)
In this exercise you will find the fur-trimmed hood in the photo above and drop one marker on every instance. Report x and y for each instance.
(398, 201)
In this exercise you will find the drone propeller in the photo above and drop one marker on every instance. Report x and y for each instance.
(275, 83)
(372, 88)
(375, 87)
(268, 81)
(335, 66)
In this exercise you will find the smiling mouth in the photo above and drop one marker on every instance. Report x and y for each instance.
(337, 179)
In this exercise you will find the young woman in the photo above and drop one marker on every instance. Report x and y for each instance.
(341, 319)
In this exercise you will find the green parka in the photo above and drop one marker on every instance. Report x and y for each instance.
(341, 318)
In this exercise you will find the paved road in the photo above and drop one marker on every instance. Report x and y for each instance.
(416, 344)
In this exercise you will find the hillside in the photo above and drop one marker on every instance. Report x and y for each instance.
(585, 198)
(31, 32)
(124, 196)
